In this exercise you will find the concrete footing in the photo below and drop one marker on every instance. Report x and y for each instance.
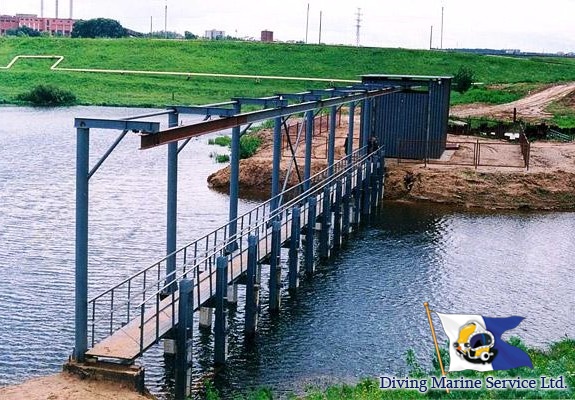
(130, 375)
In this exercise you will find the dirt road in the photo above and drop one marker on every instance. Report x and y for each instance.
(531, 108)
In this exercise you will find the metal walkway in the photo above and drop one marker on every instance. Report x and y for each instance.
(144, 291)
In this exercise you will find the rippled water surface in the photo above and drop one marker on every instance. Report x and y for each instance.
(358, 315)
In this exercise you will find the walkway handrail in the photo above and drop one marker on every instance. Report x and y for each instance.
(263, 224)
(214, 246)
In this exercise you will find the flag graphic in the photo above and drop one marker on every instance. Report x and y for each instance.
(475, 343)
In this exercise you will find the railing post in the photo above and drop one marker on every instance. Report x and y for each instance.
(275, 268)
(309, 235)
(82, 200)
(325, 223)
(220, 329)
(252, 287)
(294, 248)
(183, 342)
(172, 208)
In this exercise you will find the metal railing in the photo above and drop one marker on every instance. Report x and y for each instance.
(144, 290)
(469, 153)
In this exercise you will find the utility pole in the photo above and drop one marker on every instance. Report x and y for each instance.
(320, 17)
(441, 42)
(56, 8)
(151, 25)
(307, 24)
(71, 9)
(431, 39)
(357, 26)
(42, 9)
(166, 20)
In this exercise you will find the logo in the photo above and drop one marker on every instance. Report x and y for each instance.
(475, 343)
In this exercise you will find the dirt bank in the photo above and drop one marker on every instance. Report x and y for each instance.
(64, 386)
(549, 184)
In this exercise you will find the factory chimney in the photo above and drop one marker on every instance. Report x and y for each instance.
(56, 8)
(71, 9)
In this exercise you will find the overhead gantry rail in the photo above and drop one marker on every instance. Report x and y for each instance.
(281, 109)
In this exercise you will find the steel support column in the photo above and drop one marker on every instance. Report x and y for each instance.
(234, 181)
(275, 268)
(82, 199)
(310, 234)
(183, 333)
(293, 248)
(220, 329)
(325, 223)
(277, 146)
(172, 207)
(252, 287)
(349, 140)
(337, 215)
(309, 121)
(331, 139)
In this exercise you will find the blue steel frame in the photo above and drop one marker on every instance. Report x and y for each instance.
(229, 116)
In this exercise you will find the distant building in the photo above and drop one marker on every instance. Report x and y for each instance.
(215, 34)
(54, 26)
(267, 36)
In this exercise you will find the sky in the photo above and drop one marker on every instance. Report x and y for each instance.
(503, 24)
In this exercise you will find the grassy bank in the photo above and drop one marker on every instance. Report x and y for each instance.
(557, 361)
(252, 58)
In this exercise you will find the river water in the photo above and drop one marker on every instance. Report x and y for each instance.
(356, 318)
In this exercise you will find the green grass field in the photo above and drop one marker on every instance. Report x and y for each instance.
(555, 362)
(252, 58)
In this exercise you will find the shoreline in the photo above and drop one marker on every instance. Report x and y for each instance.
(548, 184)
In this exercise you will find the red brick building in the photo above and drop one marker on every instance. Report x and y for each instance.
(267, 36)
(54, 26)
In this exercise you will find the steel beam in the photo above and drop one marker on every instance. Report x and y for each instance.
(206, 110)
(140, 126)
(202, 128)
(265, 102)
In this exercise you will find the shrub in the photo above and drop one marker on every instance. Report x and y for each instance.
(48, 96)
(463, 79)
(249, 145)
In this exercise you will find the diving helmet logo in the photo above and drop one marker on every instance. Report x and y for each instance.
(475, 343)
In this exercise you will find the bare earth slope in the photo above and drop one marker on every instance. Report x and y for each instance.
(530, 108)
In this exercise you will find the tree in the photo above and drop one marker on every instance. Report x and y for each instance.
(97, 28)
(190, 35)
(23, 31)
(463, 79)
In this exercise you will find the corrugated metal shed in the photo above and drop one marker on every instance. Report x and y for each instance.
(412, 123)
